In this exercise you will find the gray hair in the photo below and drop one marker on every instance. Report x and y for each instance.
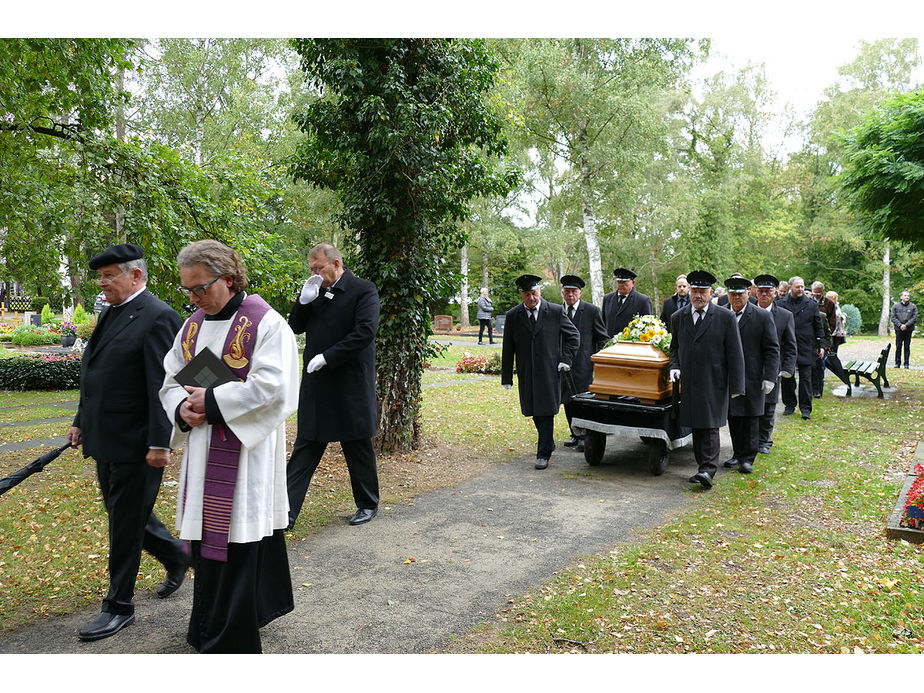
(326, 249)
(127, 268)
(218, 259)
(818, 285)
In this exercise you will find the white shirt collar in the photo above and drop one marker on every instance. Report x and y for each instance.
(143, 287)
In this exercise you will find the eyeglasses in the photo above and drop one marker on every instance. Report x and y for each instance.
(198, 290)
(108, 278)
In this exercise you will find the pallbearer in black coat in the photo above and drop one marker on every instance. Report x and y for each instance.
(786, 335)
(339, 314)
(622, 305)
(761, 368)
(706, 357)
(540, 338)
(588, 319)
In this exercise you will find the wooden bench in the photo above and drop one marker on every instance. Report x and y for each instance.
(874, 371)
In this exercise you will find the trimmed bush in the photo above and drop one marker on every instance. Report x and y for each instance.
(38, 303)
(40, 372)
(85, 329)
(854, 321)
(32, 335)
(47, 315)
(80, 315)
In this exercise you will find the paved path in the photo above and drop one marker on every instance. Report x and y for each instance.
(502, 533)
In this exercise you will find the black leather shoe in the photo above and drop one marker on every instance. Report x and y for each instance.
(542, 462)
(571, 443)
(746, 468)
(730, 464)
(363, 515)
(704, 479)
(806, 415)
(173, 581)
(104, 625)
(788, 412)
(764, 449)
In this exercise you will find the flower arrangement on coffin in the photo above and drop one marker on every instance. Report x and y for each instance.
(647, 329)
(913, 516)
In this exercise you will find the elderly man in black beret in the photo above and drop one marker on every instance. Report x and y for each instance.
(542, 341)
(122, 426)
(622, 305)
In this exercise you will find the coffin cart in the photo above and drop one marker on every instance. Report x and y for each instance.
(630, 396)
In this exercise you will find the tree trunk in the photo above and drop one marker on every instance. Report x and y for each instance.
(463, 301)
(484, 269)
(655, 293)
(884, 314)
(593, 249)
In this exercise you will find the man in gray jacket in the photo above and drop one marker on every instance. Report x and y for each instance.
(904, 316)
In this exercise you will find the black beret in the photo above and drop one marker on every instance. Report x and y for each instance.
(737, 285)
(572, 281)
(623, 273)
(116, 254)
(766, 281)
(700, 279)
(528, 282)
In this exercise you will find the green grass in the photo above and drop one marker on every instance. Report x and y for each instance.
(792, 558)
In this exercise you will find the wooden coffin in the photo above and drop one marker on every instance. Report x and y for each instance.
(631, 369)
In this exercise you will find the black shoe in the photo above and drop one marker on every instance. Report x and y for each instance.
(764, 449)
(480, 343)
(817, 395)
(730, 464)
(806, 415)
(789, 411)
(746, 468)
(363, 515)
(174, 579)
(702, 478)
(906, 365)
(572, 443)
(104, 625)
(542, 462)
(896, 366)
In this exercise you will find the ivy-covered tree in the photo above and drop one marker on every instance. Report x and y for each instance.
(404, 135)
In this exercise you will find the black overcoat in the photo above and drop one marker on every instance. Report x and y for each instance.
(711, 365)
(338, 401)
(786, 335)
(808, 326)
(761, 359)
(670, 307)
(537, 352)
(617, 318)
(588, 319)
(122, 370)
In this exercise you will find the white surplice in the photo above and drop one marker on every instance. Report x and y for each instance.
(256, 411)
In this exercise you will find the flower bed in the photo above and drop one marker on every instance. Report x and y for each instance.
(913, 515)
(480, 364)
(647, 329)
(907, 519)
(33, 335)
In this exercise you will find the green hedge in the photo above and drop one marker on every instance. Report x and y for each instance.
(40, 373)
(854, 321)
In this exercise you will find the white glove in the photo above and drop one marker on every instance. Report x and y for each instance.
(768, 386)
(316, 363)
(738, 394)
(784, 374)
(675, 375)
(310, 289)
(564, 367)
(507, 386)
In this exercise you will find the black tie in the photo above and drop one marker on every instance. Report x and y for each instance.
(571, 313)
(699, 319)
(622, 299)
(532, 315)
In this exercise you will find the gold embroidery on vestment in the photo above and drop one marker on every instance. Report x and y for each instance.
(235, 356)
(190, 339)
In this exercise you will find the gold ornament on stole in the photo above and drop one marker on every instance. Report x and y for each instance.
(190, 339)
(235, 356)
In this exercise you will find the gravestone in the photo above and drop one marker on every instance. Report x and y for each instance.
(442, 323)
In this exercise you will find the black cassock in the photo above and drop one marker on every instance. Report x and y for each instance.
(617, 317)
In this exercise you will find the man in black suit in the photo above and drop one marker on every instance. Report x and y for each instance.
(122, 426)
(761, 369)
(339, 314)
(680, 299)
(542, 340)
(622, 305)
(588, 319)
(752, 293)
(810, 341)
(706, 353)
(786, 336)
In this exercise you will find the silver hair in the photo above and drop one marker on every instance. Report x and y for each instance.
(127, 267)
(818, 285)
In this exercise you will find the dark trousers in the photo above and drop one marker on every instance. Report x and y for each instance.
(360, 459)
(483, 323)
(903, 339)
(818, 376)
(745, 434)
(569, 414)
(833, 364)
(765, 426)
(233, 599)
(706, 446)
(788, 389)
(129, 490)
(545, 425)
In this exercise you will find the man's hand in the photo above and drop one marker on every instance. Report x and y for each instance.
(768, 386)
(310, 289)
(903, 329)
(785, 374)
(316, 363)
(564, 367)
(821, 353)
(675, 375)
(158, 458)
(192, 411)
(73, 437)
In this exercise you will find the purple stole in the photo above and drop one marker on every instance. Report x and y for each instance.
(224, 447)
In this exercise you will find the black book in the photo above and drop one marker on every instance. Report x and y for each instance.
(205, 370)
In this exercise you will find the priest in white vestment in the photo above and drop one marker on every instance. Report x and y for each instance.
(232, 509)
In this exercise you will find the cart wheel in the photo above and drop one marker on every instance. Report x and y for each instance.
(594, 445)
(658, 455)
